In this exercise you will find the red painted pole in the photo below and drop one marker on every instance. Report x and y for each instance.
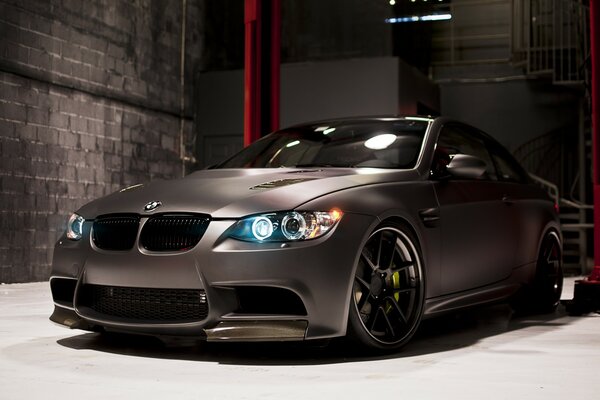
(595, 92)
(262, 59)
(252, 71)
(275, 62)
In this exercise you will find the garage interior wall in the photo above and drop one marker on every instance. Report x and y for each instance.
(515, 111)
(310, 91)
(89, 103)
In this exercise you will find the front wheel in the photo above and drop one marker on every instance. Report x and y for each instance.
(388, 290)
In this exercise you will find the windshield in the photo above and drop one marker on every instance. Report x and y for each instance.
(373, 143)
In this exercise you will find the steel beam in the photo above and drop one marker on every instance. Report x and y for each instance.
(262, 20)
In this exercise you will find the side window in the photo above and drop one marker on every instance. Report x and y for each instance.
(454, 139)
(508, 168)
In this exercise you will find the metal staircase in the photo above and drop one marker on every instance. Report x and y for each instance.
(550, 40)
(575, 227)
(544, 156)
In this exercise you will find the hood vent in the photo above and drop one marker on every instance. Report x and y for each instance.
(280, 183)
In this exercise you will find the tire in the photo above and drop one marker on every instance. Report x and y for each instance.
(543, 294)
(388, 290)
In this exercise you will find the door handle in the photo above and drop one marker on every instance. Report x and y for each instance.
(507, 199)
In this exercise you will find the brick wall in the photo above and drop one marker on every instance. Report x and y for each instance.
(89, 103)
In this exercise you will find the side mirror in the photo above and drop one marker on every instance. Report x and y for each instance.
(466, 167)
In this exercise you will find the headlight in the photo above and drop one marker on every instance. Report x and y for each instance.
(285, 226)
(75, 227)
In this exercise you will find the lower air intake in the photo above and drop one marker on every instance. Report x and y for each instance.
(146, 304)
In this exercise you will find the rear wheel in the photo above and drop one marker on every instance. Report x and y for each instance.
(543, 295)
(388, 290)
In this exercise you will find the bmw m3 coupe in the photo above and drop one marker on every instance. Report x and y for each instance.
(352, 227)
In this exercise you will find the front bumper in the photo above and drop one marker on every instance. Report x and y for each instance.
(317, 272)
(233, 331)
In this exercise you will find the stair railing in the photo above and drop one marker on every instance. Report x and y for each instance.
(551, 37)
(580, 228)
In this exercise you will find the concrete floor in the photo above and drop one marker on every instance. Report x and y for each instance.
(481, 354)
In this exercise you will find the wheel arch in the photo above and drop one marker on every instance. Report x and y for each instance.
(551, 227)
(531, 267)
(540, 292)
(407, 229)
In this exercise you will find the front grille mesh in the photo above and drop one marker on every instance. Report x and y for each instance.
(146, 304)
(115, 232)
(173, 232)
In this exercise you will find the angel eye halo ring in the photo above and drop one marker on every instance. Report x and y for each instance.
(75, 227)
(293, 226)
(262, 228)
(287, 226)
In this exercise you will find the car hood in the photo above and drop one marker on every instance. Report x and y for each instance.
(233, 193)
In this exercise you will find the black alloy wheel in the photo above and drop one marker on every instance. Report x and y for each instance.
(549, 274)
(388, 290)
(543, 294)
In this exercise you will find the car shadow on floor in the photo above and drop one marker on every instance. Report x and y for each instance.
(441, 334)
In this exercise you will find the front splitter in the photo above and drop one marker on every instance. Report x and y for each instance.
(257, 331)
(231, 331)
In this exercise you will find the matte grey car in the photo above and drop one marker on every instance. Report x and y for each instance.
(351, 227)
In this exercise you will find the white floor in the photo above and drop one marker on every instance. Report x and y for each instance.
(483, 354)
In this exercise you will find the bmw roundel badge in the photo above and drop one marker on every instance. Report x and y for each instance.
(151, 206)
